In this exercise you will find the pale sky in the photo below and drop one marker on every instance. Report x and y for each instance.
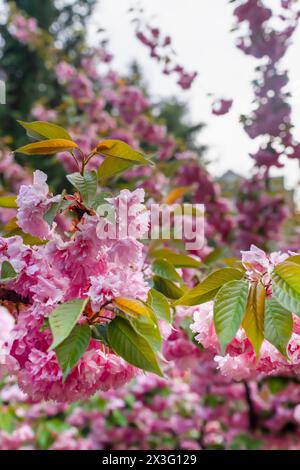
(200, 30)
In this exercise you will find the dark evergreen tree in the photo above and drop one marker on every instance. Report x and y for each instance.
(25, 70)
(175, 114)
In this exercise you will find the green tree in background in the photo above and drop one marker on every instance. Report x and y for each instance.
(25, 71)
(175, 114)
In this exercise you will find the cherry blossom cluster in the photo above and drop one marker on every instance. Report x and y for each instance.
(266, 35)
(127, 121)
(113, 107)
(12, 176)
(71, 263)
(161, 49)
(240, 362)
(205, 400)
(261, 214)
(202, 410)
(130, 119)
(271, 118)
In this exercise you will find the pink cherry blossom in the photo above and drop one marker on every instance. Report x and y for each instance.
(221, 107)
(33, 202)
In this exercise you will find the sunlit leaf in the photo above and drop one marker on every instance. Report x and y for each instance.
(177, 259)
(209, 287)
(119, 149)
(41, 129)
(253, 322)
(133, 307)
(9, 202)
(294, 259)
(47, 147)
(113, 166)
(176, 193)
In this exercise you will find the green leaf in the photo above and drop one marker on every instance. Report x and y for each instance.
(234, 263)
(113, 166)
(148, 327)
(208, 288)
(294, 259)
(166, 270)
(278, 325)
(41, 129)
(70, 351)
(56, 208)
(47, 147)
(286, 285)
(9, 202)
(229, 309)
(7, 420)
(51, 213)
(243, 441)
(44, 438)
(253, 322)
(104, 207)
(45, 325)
(27, 238)
(176, 193)
(214, 255)
(178, 260)
(99, 332)
(56, 425)
(185, 325)
(7, 272)
(284, 299)
(86, 184)
(277, 384)
(107, 211)
(101, 198)
(132, 346)
(63, 319)
(117, 418)
(289, 272)
(143, 319)
(167, 288)
(119, 149)
(159, 305)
